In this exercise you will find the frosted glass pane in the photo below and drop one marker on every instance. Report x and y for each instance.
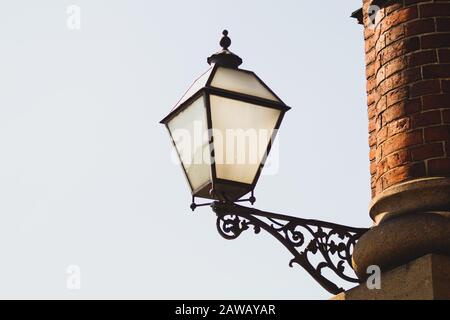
(196, 85)
(189, 131)
(240, 81)
(241, 133)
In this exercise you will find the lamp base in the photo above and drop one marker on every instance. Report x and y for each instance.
(400, 240)
(426, 278)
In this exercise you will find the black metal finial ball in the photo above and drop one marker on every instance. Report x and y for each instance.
(225, 42)
(225, 58)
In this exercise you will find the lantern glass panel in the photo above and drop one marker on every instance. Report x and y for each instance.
(241, 82)
(242, 132)
(189, 133)
(198, 84)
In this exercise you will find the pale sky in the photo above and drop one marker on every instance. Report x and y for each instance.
(86, 176)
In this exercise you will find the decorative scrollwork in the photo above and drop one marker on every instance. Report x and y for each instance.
(332, 243)
(231, 226)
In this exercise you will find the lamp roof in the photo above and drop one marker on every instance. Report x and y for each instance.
(225, 58)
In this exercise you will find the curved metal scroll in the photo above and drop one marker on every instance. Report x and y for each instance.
(330, 243)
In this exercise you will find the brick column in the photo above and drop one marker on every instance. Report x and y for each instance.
(407, 48)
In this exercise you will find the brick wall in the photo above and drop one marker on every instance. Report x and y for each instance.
(408, 90)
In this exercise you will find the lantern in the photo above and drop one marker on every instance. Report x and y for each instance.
(223, 128)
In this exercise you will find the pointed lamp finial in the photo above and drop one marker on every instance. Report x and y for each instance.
(225, 42)
(225, 58)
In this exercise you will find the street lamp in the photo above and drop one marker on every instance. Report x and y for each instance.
(222, 130)
(236, 117)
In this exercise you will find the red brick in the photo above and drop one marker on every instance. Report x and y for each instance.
(370, 56)
(379, 186)
(402, 140)
(395, 65)
(372, 139)
(434, 10)
(381, 105)
(425, 87)
(394, 112)
(421, 58)
(370, 44)
(382, 135)
(446, 116)
(372, 181)
(436, 71)
(371, 112)
(401, 109)
(396, 95)
(427, 151)
(373, 168)
(370, 70)
(394, 34)
(380, 44)
(379, 123)
(412, 44)
(443, 24)
(399, 126)
(371, 84)
(426, 119)
(372, 154)
(368, 33)
(391, 7)
(439, 166)
(413, 106)
(437, 101)
(400, 16)
(445, 84)
(403, 173)
(398, 158)
(372, 125)
(399, 79)
(399, 48)
(378, 155)
(437, 40)
(409, 2)
(392, 161)
(439, 133)
(381, 75)
(444, 55)
(419, 26)
(371, 99)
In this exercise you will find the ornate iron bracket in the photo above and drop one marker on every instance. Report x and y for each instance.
(330, 244)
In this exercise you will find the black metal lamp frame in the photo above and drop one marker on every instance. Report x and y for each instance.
(217, 188)
(316, 245)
